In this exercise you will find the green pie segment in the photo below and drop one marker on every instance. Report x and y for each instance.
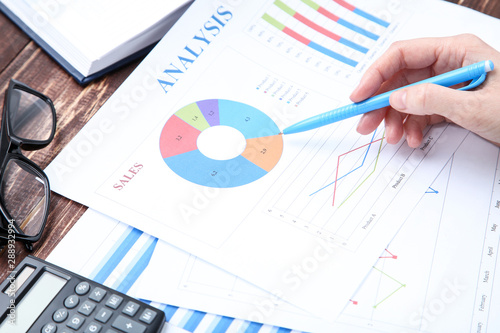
(178, 143)
(192, 115)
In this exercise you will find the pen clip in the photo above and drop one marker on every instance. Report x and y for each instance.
(474, 83)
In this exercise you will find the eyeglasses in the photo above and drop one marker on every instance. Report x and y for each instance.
(28, 123)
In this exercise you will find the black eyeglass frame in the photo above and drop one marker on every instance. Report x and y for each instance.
(10, 149)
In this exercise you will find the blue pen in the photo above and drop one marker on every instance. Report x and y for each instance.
(475, 72)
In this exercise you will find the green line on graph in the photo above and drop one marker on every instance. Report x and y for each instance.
(401, 285)
(371, 173)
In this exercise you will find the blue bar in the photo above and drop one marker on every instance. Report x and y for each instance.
(117, 256)
(194, 321)
(283, 330)
(357, 29)
(332, 54)
(353, 45)
(213, 323)
(138, 266)
(253, 327)
(170, 311)
(223, 325)
(370, 17)
(108, 255)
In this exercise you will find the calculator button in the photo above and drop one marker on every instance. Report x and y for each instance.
(97, 294)
(71, 301)
(93, 328)
(147, 316)
(49, 328)
(86, 308)
(75, 322)
(128, 325)
(60, 315)
(82, 288)
(103, 315)
(114, 301)
(131, 308)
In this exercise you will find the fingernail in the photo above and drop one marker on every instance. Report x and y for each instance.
(398, 100)
(359, 128)
(353, 93)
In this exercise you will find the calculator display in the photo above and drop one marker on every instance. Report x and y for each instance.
(46, 298)
(33, 303)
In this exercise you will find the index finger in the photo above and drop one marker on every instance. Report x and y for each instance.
(437, 54)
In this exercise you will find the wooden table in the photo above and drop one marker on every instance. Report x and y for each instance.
(22, 59)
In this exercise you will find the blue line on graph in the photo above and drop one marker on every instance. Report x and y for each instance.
(364, 158)
(431, 190)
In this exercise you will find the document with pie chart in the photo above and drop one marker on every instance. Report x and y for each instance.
(189, 148)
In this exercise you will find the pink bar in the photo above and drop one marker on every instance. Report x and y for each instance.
(316, 27)
(328, 14)
(295, 35)
(345, 5)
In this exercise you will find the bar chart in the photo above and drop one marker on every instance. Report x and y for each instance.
(330, 36)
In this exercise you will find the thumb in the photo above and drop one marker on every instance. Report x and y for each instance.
(430, 99)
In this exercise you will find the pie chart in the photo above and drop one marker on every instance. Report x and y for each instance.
(220, 143)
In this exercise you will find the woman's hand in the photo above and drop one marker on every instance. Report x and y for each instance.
(413, 108)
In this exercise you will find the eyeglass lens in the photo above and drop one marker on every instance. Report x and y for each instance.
(24, 197)
(22, 191)
(30, 116)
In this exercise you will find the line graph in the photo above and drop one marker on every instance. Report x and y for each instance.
(337, 178)
(364, 180)
(388, 293)
(398, 287)
(442, 277)
(389, 256)
(349, 172)
(431, 190)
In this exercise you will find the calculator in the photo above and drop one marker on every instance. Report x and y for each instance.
(41, 297)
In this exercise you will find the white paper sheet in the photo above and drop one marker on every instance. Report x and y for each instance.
(261, 223)
(421, 271)
(431, 278)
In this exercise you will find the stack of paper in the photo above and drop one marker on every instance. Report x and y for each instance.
(313, 232)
